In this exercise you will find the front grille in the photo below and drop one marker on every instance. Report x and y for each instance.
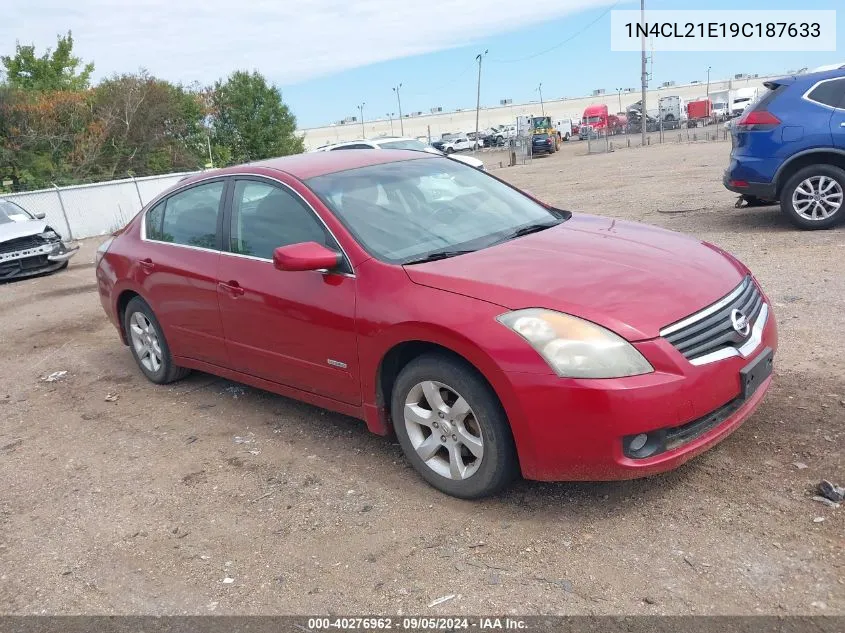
(21, 243)
(712, 329)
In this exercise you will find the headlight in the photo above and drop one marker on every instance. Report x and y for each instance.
(575, 348)
(50, 234)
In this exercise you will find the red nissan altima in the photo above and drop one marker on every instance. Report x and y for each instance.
(494, 334)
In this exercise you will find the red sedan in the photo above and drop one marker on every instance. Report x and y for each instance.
(492, 333)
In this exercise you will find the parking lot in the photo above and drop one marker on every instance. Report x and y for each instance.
(206, 496)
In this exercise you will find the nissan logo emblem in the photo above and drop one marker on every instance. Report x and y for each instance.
(740, 322)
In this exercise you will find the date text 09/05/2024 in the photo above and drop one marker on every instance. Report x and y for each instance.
(724, 29)
(411, 623)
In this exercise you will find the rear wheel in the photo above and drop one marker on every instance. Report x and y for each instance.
(813, 197)
(452, 428)
(148, 345)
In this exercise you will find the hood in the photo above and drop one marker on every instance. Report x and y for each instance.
(14, 230)
(631, 278)
(467, 160)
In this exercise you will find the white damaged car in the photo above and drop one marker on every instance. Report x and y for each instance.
(28, 245)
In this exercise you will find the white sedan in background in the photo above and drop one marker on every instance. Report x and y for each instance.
(398, 142)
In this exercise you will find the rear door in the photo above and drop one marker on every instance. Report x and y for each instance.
(831, 95)
(178, 275)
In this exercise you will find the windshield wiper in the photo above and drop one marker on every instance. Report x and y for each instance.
(433, 257)
(528, 230)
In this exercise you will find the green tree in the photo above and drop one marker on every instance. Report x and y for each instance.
(249, 121)
(152, 126)
(54, 70)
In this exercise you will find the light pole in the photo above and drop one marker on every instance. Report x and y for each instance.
(361, 112)
(644, 77)
(399, 101)
(540, 90)
(390, 116)
(478, 58)
(708, 80)
(619, 93)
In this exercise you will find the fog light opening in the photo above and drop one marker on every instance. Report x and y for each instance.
(644, 445)
(638, 442)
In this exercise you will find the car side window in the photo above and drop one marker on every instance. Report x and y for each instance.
(829, 93)
(354, 146)
(265, 217)
(153, 222)
(190, 217)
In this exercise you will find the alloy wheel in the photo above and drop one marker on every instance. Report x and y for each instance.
(443, 430)
(145, 341)
(817, 198)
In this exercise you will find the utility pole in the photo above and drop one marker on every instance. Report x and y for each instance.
(399, 100)
(708, 80)
(478, 58)
(619, 92)
(540, 90)
(361, 112)
(644, 119)
(390, 116)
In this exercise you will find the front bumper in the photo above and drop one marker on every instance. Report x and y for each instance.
(574, 429)
(37, 260)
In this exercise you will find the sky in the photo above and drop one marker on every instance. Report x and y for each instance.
(330, 56)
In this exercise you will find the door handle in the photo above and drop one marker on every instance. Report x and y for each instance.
(147, 264)
(232, 287)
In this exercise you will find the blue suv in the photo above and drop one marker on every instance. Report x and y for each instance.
(790, 147)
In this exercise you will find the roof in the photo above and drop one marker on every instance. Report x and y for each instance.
(311, 164)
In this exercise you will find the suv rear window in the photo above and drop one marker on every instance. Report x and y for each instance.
(830, 93)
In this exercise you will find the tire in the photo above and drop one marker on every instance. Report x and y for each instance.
(566, 138)
(483, 424)
(136, 314)
(449, 150)
(827, 181)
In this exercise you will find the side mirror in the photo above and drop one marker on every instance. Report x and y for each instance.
(39, 215)
(305, 256)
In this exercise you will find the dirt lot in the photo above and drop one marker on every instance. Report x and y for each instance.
(146, 504)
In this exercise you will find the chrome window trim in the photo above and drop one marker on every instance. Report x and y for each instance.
(161, 197)
(702, 314)
(746, 349)
(806, 95)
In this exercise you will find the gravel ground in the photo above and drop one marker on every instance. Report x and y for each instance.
(210, 497)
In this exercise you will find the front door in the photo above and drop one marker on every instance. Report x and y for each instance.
(293, 328)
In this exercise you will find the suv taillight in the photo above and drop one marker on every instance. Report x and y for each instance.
(758, 120)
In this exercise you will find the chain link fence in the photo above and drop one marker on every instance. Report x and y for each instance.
(599, 142)
(81, 211)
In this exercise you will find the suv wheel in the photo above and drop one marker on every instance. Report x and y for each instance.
(813, 197)
(452, 428)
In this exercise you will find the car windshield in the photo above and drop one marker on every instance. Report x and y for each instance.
(405, 144)
(541, 137)
(10, 212)
(408, 210)
(593, 119)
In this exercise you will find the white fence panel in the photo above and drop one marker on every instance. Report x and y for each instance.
(87, 210)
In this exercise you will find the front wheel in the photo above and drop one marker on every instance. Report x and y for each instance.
(449, 150)
(148, 345)
(813, 197)
(452, 428)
